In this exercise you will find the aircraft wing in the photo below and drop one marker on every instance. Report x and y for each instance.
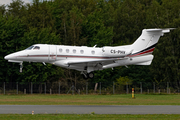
(97, 64)
(102, 61)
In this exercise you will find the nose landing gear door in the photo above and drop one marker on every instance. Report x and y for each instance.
(52, 53)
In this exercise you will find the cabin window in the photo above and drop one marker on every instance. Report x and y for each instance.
(36, 48)
(60, 50)
(74, 51)
(81, 51)
(29, 48)
(93, 52)
(67, 50)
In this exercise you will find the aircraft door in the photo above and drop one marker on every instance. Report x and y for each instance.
(52, 53)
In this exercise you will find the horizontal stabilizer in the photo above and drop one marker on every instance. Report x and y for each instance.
(166, 30)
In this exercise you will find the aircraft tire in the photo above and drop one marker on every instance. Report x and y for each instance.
(91, 75)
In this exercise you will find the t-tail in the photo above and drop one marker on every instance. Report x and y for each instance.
(140, 52)
(144, 46)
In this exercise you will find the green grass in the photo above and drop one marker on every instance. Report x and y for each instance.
(40, 99)
(88, 117)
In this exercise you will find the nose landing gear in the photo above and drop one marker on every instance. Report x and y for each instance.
(21, 67)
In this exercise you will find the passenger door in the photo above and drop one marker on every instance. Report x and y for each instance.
(52, 53)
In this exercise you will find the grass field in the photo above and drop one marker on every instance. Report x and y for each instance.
(89, 117)
(39, 99)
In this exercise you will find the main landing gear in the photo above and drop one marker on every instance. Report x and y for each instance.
(87, 75)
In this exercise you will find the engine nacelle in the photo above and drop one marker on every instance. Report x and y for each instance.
(115, 51)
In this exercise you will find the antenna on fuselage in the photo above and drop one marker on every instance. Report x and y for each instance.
(94, 46)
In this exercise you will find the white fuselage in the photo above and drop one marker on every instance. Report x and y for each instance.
(88, 59)
(75, 57)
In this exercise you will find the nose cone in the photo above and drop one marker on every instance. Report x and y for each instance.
(9, 57)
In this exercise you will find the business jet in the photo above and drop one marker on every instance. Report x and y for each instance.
(88, 59)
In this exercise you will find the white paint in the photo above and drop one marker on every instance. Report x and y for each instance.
(89, 59)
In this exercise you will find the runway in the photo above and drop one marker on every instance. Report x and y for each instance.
(88, 109)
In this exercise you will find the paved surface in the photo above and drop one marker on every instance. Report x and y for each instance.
(88, 109)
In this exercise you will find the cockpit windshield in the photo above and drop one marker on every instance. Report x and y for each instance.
(29, 48)
(36, 48)
(33, 47)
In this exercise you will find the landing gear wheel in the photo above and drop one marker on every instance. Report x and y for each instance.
(91, 75)
(87, 75)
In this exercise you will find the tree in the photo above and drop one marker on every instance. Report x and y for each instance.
(11, 34)
(2, 9)
(165, 66)
(90, 22)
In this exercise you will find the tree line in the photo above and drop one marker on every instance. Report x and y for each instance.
(87, 23)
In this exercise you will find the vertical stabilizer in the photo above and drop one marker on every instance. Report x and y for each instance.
(146, 43)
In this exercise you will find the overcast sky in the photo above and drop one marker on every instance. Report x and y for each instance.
(9, 1)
